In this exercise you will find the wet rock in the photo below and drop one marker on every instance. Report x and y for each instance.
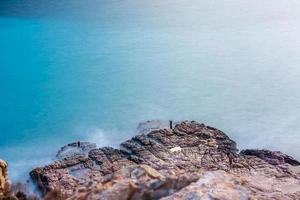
(178, 163)
(152, 125)
(75, 149)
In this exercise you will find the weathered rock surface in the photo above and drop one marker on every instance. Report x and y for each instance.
(213, 185)
(272, 157)
(4, 182)
(190, 161)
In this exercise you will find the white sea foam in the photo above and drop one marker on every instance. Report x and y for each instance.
(104, 138)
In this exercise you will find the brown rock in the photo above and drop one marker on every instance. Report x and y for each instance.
(213, 185)
(179, 163)
(4, 182)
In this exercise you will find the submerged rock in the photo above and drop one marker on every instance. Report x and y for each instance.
(189, 161)
(75, 149)
(152, 125)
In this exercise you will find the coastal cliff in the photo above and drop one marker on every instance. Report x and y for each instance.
(189, 161)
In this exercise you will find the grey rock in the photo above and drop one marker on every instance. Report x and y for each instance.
(75, 149)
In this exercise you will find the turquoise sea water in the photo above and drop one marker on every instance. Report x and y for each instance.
(93, 69)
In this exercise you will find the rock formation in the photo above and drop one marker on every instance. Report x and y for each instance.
(75, 149)
(190, 161)
(4, 182)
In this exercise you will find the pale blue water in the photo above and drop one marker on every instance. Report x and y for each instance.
(92, 69)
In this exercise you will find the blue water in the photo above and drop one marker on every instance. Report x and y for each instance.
(92, 69)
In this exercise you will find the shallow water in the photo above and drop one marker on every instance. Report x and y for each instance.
(92, 69)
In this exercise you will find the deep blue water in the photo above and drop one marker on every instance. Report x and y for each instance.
(92, 69)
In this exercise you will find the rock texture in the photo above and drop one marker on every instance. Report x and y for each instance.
(4, 182)
(190, 161)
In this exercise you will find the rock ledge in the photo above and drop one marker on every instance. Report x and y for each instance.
(190, 161)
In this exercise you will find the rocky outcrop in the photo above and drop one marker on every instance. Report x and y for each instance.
(272, 157)
(190, 161)
(4, 182)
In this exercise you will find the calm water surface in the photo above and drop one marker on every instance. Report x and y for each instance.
(92, 69)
